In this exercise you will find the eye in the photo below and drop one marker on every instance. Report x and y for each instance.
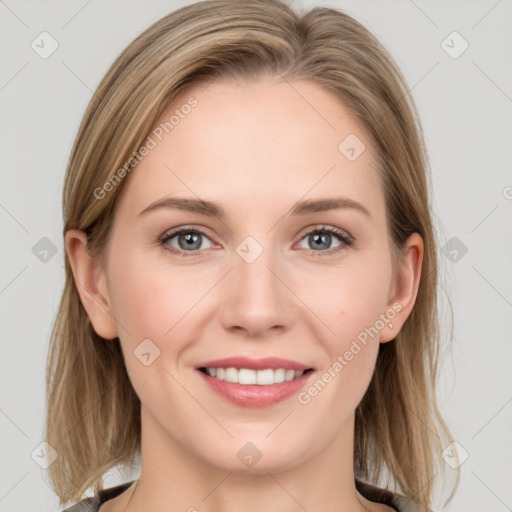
(188, 240)
(321, 238)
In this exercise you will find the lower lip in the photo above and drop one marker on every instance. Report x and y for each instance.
(252, 395)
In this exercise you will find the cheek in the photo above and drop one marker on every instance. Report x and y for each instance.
(152, 304)
(349, 301)
(350, 311)
(349, 307)
(149, 301)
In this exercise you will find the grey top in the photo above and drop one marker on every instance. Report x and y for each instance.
(398, 502)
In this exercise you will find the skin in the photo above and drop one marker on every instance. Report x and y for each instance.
(256, 150)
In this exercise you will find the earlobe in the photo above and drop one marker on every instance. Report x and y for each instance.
(90, 281)
(405, 287)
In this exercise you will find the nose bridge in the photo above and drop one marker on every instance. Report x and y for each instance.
(257, 298)
(252, 269)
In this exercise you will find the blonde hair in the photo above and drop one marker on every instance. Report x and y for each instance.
(93, 412)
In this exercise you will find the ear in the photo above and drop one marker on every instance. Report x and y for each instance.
(91, 284)
(404, 287)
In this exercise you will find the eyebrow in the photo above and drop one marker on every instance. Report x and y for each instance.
(301, 208)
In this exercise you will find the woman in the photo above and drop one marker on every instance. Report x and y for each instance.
(250, 297)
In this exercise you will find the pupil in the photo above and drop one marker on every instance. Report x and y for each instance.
(321, 236)
(189, 239)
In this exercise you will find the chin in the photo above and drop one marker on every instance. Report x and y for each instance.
(254, 457)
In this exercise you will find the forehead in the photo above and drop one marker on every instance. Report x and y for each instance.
(257, 144)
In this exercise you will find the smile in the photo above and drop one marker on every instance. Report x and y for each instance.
(247, 376)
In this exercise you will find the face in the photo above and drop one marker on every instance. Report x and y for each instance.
(268, 278)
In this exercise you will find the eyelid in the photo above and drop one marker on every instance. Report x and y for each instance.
(346, 239)
(314, 228)
(171, 233)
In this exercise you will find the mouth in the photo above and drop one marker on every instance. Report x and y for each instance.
(255, 383)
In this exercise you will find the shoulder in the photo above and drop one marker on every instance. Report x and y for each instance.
(92, 504)
(397, 501)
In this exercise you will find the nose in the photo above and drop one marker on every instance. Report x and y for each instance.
(256, 298)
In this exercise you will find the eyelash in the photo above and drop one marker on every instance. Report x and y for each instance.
(346, 239)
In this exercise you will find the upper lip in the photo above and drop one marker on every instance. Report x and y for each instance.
(254, 364)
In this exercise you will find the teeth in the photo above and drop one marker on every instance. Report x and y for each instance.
(260, 377)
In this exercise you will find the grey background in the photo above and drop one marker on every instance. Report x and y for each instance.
(465, 104)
